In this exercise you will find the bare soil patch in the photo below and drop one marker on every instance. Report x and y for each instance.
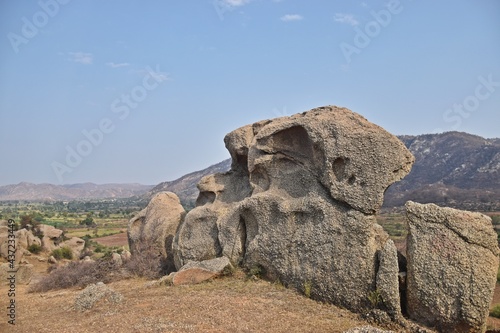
(119, 239)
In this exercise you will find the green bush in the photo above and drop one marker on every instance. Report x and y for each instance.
(35, 248)
(63, 252)
(375, 298)
(307, 288)
(495, 312)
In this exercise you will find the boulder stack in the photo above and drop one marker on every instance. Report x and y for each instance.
(298, 204)
(154, 228)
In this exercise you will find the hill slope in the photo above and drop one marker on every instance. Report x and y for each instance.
(454, 169)
(185, 186)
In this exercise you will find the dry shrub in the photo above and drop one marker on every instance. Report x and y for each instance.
(147, 261)
(78, 274)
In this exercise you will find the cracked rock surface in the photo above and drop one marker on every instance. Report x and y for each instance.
(452, 267)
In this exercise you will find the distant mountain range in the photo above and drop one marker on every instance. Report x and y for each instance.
(185, 186)
(454, 169)
(50, 192)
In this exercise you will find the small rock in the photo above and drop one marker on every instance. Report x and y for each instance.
(126, 255)
(52, 260)
(198, 271)
(87, 259)
(117, 259)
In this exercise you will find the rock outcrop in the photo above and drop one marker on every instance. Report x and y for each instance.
(298, 204)
(452, 267)
(76, 245)
(51, 238)
(155, 227)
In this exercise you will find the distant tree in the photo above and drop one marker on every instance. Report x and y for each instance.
(27, 221)
(88, 221)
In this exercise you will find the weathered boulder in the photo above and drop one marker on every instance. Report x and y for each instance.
(299, 205)
(125, 255)
(198, 271)
(155, 226)
(22, 273)
(52, 260)
(25, 238)
(50, 231)
(7, 249)
(197, 238)
(117, 259)
(52, 237)
(388, 279)
(75, 244)
(452, 266)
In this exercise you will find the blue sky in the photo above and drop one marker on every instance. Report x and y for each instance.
(144, 91)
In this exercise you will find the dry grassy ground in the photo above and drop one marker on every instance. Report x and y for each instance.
(233, 304)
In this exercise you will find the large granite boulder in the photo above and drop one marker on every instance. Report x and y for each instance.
(452, 267)
(22, 240)
(298, 204)
(25, 238)
(155, 226)
(77, 245)
(51, 238)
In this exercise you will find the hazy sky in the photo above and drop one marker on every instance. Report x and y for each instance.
(144, 91)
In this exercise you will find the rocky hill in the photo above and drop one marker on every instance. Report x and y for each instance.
(42, 192)
(454, 169)
(185, 186)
